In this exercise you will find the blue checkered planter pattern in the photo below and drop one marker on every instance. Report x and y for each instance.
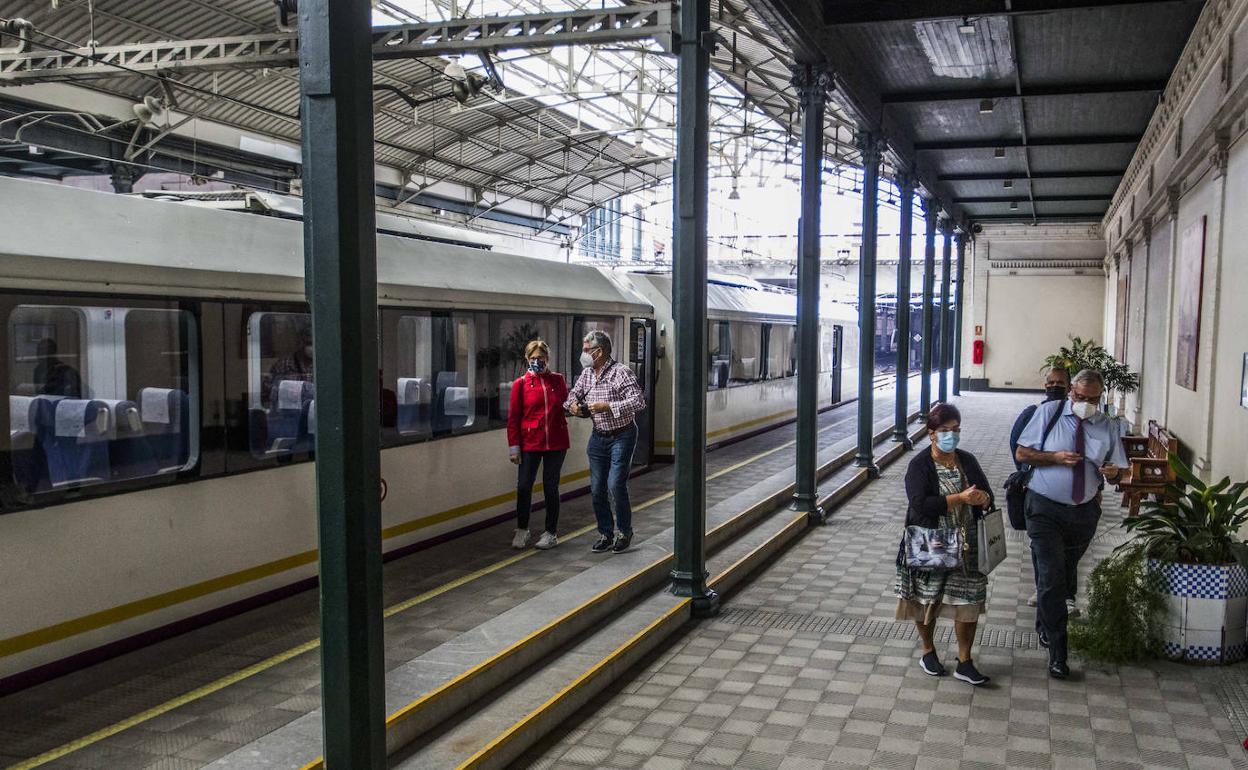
(1207, 609)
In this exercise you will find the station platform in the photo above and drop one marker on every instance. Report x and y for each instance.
(226, 695)
(806, 668)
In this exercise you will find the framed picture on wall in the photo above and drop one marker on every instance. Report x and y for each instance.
(1243, 385)
(1188, 295)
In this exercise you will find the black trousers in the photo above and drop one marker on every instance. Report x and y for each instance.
(1060, 535)
(552, 464)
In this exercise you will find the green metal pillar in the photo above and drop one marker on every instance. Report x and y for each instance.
(689, 299)
(340, 240)
(871, 148)
(813, 85)
(901, 417)
(946, 318)
(931, 209)
(957, 309)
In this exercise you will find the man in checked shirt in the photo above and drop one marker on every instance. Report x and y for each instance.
(608, 393)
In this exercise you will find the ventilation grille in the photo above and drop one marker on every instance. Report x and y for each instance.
(1047, 264)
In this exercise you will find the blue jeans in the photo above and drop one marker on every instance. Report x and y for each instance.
(610, 460)
(1060, 534)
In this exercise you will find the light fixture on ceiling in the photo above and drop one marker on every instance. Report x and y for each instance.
(734, 195)
(999, 152)
(967, 27)
(455, 71)
(1008, 184)
(148, 110)
(1013, 205)
(34, 149)
(639, 150)
(985, 106)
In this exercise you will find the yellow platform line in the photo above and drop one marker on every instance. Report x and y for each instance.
(282, 657)
(486, 752)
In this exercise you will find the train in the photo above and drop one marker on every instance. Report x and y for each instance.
(158, 366)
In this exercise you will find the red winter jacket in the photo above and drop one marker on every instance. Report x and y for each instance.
(535, 419)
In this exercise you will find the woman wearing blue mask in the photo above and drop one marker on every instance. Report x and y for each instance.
(945, 487)
(537, 435)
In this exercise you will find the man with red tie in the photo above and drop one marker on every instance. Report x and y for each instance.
(1062, 509)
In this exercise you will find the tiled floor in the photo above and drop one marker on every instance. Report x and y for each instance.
(193, 735)
(806, 669)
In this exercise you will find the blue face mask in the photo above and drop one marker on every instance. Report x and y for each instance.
(947, 441)
(537, 366)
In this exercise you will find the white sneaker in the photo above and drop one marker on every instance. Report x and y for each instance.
(1072, 609)
(1035, 597)
(546, 541)
(521, 540)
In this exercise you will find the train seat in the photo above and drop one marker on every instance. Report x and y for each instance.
(414, 397)
(30, 468)
(163, 412)
(453, 406)
(288, 413)
(76, 442)
(307, 433)
(129, 453)
(504, 399)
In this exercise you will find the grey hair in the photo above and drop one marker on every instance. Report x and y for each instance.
(599, 339)
(1088, 377)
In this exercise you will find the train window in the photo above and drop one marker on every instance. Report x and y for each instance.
(512, 333)
(781, 352)
(409, 369)
(459, 363)
(719, 354)
(100, 394)
(281, 389)
(747, 352)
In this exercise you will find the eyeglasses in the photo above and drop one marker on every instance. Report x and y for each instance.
(1084, 399)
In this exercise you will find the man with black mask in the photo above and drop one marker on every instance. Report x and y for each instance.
(1056, 386)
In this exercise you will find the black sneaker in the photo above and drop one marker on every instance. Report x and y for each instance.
(967, 672)
(931, 664)
(1058, 669)
(601, 545)
(1044, 639)
(622, 542)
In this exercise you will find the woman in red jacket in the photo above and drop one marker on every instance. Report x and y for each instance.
(537, 434)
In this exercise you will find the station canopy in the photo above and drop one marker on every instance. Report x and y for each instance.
(559, 129)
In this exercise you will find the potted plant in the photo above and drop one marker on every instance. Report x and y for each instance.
(1083, 354)
(1193, 546)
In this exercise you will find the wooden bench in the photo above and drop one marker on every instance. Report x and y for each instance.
(1148, 471)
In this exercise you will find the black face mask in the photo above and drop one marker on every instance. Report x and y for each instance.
(1055, 393)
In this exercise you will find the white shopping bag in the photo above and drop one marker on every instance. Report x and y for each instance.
(991, 541)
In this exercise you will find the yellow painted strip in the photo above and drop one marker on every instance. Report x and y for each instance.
(42, 636)
(498, 743)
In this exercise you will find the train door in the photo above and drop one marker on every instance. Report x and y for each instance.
(641, 361)
(838, 334)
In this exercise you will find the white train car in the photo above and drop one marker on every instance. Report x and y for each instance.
(752, 357)
(157, 365)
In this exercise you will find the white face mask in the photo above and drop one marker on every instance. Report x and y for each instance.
(586, 360)
(1082, 409)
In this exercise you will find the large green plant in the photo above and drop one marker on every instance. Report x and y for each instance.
(1125, 610)
(1197, 524)
(1083, 354)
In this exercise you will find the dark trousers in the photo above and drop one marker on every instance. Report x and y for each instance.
(1060, 534)
(552, 464)
(610, 462)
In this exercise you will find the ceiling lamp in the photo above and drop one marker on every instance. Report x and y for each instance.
(639, 151)
(985, 106)
(734, 195)
(455, 71)
(1007, 184)
(998, 152)
(148, 110)
(967, 27)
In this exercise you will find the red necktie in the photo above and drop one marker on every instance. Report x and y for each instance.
(1077, 481)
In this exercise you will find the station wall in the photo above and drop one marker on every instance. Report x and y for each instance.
(1190, 171)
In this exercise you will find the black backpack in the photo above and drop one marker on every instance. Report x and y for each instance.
(1016, 484)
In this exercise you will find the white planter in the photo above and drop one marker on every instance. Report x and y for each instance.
(1207, 611)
